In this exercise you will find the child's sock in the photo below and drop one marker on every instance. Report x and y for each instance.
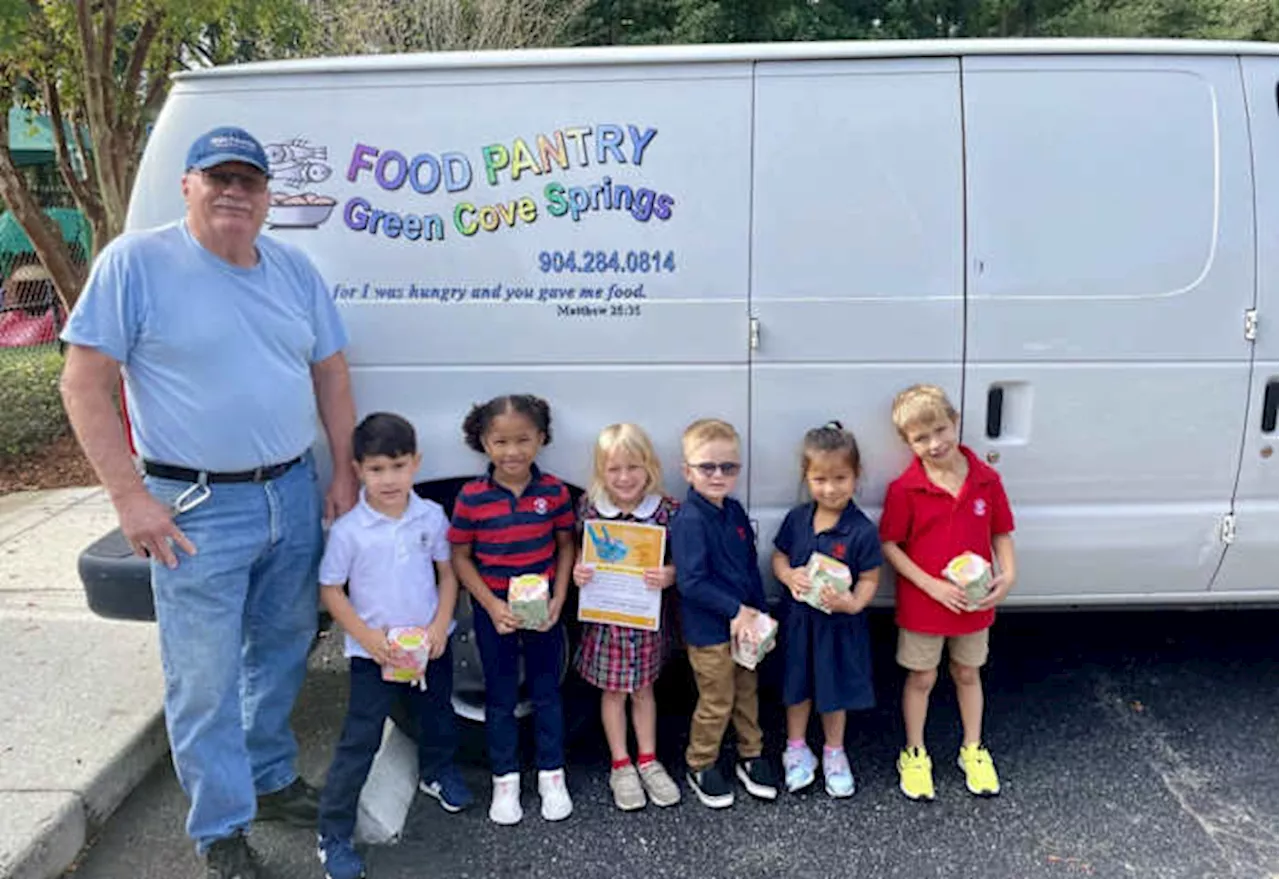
(645, 759)
(828, 751)
(795, 744)
(622, 764)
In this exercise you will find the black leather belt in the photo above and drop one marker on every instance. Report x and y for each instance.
(186, 474)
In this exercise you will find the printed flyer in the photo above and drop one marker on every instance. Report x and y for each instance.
(620, 552)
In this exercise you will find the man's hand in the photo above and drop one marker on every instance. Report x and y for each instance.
(946, 593)
(582, 574)
(437, 638)
(342, 494)
(660, 578)
(148, 526)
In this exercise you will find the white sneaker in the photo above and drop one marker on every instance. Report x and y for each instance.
(556, 805)
(505, 808)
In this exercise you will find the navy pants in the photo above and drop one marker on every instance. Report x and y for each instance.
(369, 705)
(543, 656)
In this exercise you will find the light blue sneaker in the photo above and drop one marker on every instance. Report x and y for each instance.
(837, 774)
(799, 764)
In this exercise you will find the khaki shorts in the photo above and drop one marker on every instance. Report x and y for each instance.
(920, 652)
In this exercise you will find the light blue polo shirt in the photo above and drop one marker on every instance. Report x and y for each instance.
(388, 564)
(217, 358)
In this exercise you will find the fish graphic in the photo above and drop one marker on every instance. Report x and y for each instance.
(609, 549)
(296, 150)
(298, 162)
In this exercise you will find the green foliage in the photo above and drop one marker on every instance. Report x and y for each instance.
(31, 413)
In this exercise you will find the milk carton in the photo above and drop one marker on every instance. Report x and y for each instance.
(530, 596)
(971, 573)
(409, 664)
(751, 646)
(824, 571)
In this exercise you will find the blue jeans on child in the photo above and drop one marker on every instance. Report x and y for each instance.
(368, 706)
(500, 658)
(236, 621)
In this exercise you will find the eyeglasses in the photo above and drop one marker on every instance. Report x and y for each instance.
(224, 179)
(709, 468)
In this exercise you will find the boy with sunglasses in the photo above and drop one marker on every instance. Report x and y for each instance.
(721, 591)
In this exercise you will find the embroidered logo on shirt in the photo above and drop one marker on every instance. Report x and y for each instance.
(424, 542)
(979, 507)
(838, 551)
(540, 504)
(742, 533)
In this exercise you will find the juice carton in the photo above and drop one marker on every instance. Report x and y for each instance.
(824, 571)
(971, 573)
(751, 646)
(529, 596)
(411, 664)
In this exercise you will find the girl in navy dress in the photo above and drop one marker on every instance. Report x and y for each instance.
(828, 655)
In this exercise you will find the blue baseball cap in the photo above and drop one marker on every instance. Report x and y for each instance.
(227, 144)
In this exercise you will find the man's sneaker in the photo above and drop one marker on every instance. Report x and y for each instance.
(837, 774)
(711, 787)
(448, 789)
(758, 778)
(628, 794)
(297, 805)
(556, 805)
(505, 808)
(230, 858)
(798, 767)
(661, 786)
(340, 858)
(979, 772)
(915, 774)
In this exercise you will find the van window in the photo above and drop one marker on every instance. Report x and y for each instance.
(1124, 166)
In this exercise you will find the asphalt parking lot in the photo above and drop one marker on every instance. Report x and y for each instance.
(1129, 745)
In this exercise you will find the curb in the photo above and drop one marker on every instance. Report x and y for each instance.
(59, 840)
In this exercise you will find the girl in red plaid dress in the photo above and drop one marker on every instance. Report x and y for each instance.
(626, 485)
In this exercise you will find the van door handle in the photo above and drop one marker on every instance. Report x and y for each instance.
(1269, 406)
(995, 411)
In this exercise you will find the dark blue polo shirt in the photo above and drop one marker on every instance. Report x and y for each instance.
(714, 551)
(511, 535)
(852, 540)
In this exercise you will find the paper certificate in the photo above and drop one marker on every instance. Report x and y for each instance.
(620, 553)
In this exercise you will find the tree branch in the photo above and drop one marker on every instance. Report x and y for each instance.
(53, 103)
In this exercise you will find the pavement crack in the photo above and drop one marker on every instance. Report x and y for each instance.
(1246, 844)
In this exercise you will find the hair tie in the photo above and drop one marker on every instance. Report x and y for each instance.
(834, 424)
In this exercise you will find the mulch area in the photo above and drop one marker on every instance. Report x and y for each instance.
(60, 464)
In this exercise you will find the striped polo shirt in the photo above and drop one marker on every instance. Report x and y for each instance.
(511, 535)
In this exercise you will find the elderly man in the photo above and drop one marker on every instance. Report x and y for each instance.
(229, 344)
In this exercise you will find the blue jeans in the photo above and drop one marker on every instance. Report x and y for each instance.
(368, 706)
(500, 658)
(236, 622)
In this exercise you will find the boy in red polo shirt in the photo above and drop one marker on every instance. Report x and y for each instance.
(945, 503)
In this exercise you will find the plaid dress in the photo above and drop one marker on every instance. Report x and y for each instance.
(614, 657)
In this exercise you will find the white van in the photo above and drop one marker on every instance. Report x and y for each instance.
(1077, 239)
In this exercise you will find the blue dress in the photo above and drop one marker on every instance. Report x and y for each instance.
(828, 656)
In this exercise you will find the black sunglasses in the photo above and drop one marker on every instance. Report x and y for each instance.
(709, 468)
(224, 180)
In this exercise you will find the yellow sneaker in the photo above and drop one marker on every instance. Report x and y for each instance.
(979, 772)
(915, 774)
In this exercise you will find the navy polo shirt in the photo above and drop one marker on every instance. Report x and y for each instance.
(511, 535)
(714, 551)
(852, 540)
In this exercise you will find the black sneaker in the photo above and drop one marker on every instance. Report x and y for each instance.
(230, 858)
(757, 776)
(297, 805)
(711, 787)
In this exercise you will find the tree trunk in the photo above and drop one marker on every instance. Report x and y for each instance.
(46, 238)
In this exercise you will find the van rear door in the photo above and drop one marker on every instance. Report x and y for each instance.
(1110, 268)
(1250, 563)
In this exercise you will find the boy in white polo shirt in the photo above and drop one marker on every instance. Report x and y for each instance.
(392, 552)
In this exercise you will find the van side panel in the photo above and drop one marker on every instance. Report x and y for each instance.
(576, 233)
(856, 261)
(1110, 267)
